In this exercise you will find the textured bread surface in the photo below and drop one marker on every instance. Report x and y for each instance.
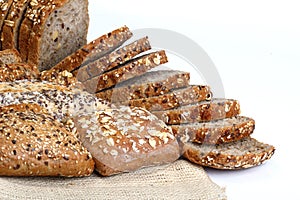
(124, 139)
(18, 71)
(35, 144)
(150, 84)
(10, 56)
(4, 8)
(244, 153)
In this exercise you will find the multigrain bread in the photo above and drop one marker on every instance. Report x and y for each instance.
(173, 99)
(18, 71)
(200, 112)
(150, 84)
(241, 154)
(112, 60)
(215, 132)
(52, 30)
(131, 69)
(33, 143)
(10, 56)
(125, 139)
(4, 8)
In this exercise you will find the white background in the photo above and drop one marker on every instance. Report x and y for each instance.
(255, 46)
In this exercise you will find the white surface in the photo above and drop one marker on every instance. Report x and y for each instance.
(256, 48)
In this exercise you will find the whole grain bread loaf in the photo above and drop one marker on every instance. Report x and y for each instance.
(18, 71)
(150, 84)
(4, 8)
(125, 139)
(200, 112)
(33, 143)
(10, 56)
(241, 154)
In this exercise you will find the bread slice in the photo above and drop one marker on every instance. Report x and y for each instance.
(35, 144)
(18, 71)
(244, 153)
(124, 139)
(150, 84)
(4, 8)
(10, 56)
(135, 67)
(10, 30)
(112, 60)
(52, 30)
(175, 98)
(215, 132)
(200, 112)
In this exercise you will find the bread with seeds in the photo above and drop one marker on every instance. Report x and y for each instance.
(133, 68)
(4, 8)
(10, 56)
(126, 139)
(200, 112)
(241, 154)
(215, 132)
(112, 60)
(33, 143)
(18, 71)
(153, 83)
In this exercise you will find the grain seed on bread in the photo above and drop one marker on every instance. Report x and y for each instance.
(18, 71)
(4, 8)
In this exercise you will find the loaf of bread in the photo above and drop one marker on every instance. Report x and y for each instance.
(125, 139)
(33, 143)
(10, 56)
(4, 8)
(18, 71)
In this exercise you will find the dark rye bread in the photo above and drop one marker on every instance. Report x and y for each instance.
(33, 143)
(173, 99)
(112, 60)
(130, 69)
(4, 8)
(10, 56)
(200, 112)
(242, 154)
(10, 30)
(150, 84)
(52, 30)
(215, 132)
(125, 139)
(18, 71)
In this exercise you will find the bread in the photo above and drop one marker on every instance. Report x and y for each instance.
(112, 60)
(124, 139)
(173, 99)
(49, 33)
(18, 71)
(244, 153)
(215, 132)
(35, 144)
(4, 8)
(10, 30)
(150, 84)
(10, 56)
(133, 68)
(200, 112)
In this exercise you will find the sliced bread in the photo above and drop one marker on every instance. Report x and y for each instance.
(4, 8)
(200, 112)
(112, 60)
(33, 143)
(10, 56)
(215, 132)
(18, 71)
(133, 68)
(150, 84)
(125, 139)
(175, 98)
(244, 153)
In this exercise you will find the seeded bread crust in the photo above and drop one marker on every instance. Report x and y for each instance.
(127, 71)
(112, 60)
(174, 99)
(10, 30)
(215, 132)
(150, 84)
(200, 112)
(4, 8)
(124, 139)
(29, 149)
(18, 71)
(241, 154)
(10, 56)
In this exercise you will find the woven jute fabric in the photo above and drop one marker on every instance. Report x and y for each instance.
(179, 180)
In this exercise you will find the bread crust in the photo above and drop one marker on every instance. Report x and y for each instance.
(10, 56)
(4, 8)
(18, 71)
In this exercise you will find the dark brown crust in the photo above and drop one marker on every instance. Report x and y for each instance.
(12, 52)
(18, 71)
(228, 162)
(112, 60)
(131, 69)
(4, 8)
(219, 135)
(205, 111)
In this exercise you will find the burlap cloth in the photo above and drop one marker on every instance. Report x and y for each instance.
(179, 180)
